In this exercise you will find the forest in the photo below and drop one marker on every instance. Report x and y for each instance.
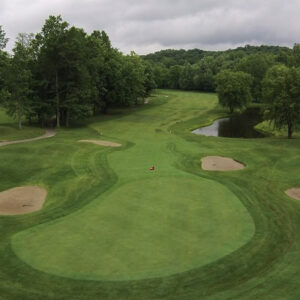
(196, 69)
(62, 74)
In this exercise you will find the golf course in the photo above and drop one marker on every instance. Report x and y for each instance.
(107, 227)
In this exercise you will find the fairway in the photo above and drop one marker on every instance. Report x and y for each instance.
(112, 229)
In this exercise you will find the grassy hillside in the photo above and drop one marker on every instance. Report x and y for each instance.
(111, 229)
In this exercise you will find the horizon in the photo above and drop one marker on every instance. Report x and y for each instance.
(148, 27)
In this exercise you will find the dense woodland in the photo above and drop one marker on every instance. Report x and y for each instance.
(63, 74)
(265, 74)
(196, 69)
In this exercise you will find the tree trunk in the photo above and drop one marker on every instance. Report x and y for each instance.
(104, 109)
(57, 101)
(290, 131)
(20, 121)
(67, 118)
(19, 113)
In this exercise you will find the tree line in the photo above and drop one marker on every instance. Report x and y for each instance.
(196, 69)
(64, 74)
(264, 74)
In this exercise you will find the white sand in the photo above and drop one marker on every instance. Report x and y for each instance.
(218, 163)
(294, 193)
(101, 143)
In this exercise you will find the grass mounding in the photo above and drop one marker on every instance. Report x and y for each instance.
(79, 176)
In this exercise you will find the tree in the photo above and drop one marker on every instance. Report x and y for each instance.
(18, 79)
(149, 82)
(107, 68)
(295, 57)
(49, 46)
(186, 77)
(132, 80)
(161, 75)
(204, 74)
(75, 77)
(233, 89)
(67, 74)
(281, 91)
(4, 61)
(99, 59)
(174, 76)
(256, 65)
(3, 39)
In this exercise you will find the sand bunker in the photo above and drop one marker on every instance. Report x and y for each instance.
(294, 193)
(22, 200)
(218, 163)
(101, 143)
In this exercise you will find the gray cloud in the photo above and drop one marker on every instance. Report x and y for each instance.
(146, 26)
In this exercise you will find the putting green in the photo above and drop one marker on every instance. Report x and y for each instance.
(142, 229)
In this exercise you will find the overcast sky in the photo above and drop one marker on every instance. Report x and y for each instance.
(148, 26)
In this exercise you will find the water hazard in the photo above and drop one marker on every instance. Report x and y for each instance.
(241, 126)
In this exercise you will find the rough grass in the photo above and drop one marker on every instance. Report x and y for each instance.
(86, 186)
(268, 128)
(9, 130)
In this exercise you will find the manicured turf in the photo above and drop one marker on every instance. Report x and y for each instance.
(186, 232)
(144, 228)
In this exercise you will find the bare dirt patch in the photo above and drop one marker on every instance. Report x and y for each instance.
(219, 163)
(22, 200)
(101, 143)
(293, 193)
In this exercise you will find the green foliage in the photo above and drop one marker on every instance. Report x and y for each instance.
(4, 61)
(162, 76)
(204, 72)
(70, 75)
(233, 89)
(174, 77)
(17, 85)
(256, 65)
(206, 64)
(281, 90)
(295, 58)
(268, 128)
(172, 57)
(3, 39)
(186, 77)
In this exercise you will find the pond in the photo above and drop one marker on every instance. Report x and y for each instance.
(240, 126)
